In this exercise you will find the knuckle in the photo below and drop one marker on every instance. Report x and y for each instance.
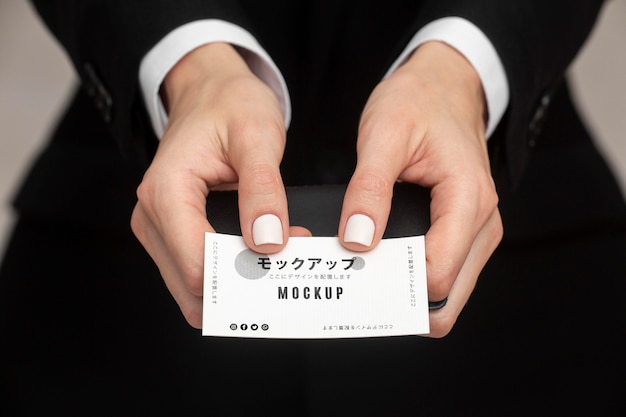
(440, 282)
(195, 286)
(143, 191)
(486, 188)
(264, 180)
(192, 277)
(136, 225)
(192, 314)
(492, 200)
(498, 233)
(372, 187)
(146, 192)
(262, 126)
(439, 290)
(441, 326)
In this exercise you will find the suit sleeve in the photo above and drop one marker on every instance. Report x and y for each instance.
(536, 41)
(106, 40)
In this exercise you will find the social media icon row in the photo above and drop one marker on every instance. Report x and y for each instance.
(254, 327)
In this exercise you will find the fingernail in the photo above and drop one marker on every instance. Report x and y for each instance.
(267, 229)
(359, 229)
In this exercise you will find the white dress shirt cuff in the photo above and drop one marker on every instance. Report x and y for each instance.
(175, 45)
(472, 43)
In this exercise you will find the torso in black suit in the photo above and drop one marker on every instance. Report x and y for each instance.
(88, 327)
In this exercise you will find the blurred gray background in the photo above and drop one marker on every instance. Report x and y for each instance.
(35, 77)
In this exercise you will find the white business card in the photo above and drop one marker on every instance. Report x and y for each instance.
(314, 289)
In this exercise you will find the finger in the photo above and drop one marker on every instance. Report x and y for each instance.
(186, 289)
(442, 321)
(460, 208)
(367, 201)
(256, 155)
(299, 231)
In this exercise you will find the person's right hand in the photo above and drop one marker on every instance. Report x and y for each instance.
(225, 130)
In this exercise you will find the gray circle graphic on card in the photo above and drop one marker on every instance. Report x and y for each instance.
(249, 264)
(358, 264)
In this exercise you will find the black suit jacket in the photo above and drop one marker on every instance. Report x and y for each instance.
(332, 54)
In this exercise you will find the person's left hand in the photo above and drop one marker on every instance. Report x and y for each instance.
(425, 124)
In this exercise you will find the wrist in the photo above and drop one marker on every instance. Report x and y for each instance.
(209, 60)
(446, 66)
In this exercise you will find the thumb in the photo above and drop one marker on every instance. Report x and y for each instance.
(367, 201)
(263, 209)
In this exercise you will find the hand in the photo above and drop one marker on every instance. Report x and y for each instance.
(425, 124)
(225, 130)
